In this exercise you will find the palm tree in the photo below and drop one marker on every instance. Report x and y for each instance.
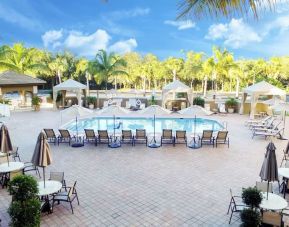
(105, 66)
(228, 8)
(21, 59)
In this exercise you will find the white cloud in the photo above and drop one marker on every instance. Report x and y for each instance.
(50, 37)
(87, 45)
(123, 47)
(181, 25)
(281, 23)
(235, 34)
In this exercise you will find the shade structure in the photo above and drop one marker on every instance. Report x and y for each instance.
(154, 110)
(5, 145)
(69, 85)
(196, 110)
(269, 170)
(257, 90)
(42, 156)
(113, 110)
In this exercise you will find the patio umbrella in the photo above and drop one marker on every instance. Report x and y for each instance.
(154, 110)
(5, 142)
(114, 143)
(269, 170)
(113, 110)
(41, 156)
(195, 110)
(76, 111)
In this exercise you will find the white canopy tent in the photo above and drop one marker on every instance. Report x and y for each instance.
(257, 90)
(69, 85)
(169, 91)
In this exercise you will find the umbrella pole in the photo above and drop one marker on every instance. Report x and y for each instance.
(76, 128)
(44, 176)
(194, 144)
(7, 155)
(114, 143)
(153, 143)
(267, 189)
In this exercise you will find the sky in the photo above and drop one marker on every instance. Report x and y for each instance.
(146, 26)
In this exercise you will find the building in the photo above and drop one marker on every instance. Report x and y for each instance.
(18, 88)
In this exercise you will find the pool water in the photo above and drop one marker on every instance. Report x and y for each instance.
(103, 123)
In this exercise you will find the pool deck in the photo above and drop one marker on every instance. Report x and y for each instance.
(140, 186)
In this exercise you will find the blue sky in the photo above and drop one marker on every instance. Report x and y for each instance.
(146, 26)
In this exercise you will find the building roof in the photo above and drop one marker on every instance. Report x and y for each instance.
(14, 78)
(69, 85)
(176, 85)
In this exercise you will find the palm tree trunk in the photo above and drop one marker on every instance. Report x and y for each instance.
(205, 86)
(237, 87)
(115, 83)
(59, 76)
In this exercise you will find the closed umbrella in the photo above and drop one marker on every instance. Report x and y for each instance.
(5, 142)
(42, 156)
(269, 170)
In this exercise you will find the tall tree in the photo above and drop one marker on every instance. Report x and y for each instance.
(105, 66)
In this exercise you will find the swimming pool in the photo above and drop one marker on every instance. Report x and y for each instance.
(104, 123)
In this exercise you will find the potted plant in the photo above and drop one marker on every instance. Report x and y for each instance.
(36, 102)
(24, 209)
(91, 101)
(231, 104)
(199, 101)
(251, 216)
(153, 100)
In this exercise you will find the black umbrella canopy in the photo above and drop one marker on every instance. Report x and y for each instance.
(5, 144)
(269, 170)
(41, 156)
(5, 141)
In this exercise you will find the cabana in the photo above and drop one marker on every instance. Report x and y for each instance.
(176, 95)
(69, 85)
(256, 91)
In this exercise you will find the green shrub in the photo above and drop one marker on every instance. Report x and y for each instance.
(250, 217)
(199, 101)
(252, 197)
(36, 100)
(91, 99)
(24, 209)
(5, 101)
(231, 102)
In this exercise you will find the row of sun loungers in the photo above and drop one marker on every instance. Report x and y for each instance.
(267, 127)
(140, 136)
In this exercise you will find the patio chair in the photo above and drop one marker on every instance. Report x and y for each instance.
(207, 138)
(261, 121)
(58, 176)
(181, 137)
(127, 137)
(235, 206)
(285, 154)
(90, 136)
(167, 137)
(15, 154)
(65, 136)
(262, 186)
(265, 124)
(66, 196)
(51, 136)
(272, 218)
(28, 167)
(222, 138)
(268, 133)
(274, 125)
(140, 136)
(103, 137)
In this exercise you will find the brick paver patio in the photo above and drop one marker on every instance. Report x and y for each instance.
(139, 186)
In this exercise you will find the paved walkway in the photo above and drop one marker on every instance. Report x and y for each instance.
(139, 186)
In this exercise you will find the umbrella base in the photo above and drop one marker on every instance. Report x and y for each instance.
(114, 145)
(194, 145)
(154, 145)
(77, 145)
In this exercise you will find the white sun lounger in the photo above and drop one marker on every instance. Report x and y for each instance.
(268, 133)
(250, 122)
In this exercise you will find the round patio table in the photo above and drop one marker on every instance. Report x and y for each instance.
(13, 166)
(274, 202)
(51, 187)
